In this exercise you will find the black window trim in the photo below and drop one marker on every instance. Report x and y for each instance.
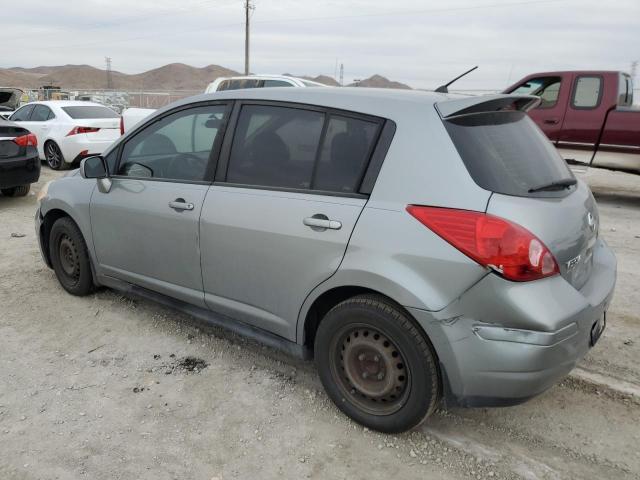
(573, 91)
(214, 155)
(380, 145)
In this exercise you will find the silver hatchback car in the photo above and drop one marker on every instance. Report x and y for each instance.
(420, 247)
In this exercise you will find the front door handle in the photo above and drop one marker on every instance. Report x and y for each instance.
(550, 121)
(321, 222)
(180, 204)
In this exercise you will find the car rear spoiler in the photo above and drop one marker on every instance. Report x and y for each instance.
(485, 104)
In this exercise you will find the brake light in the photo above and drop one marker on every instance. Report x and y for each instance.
(493, 242)
(77, 130)
(121, 125)
(29, 140)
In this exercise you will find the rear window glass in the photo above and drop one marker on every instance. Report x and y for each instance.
(506, 153)
(90, 111)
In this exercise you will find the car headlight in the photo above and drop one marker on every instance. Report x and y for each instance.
(43, 191)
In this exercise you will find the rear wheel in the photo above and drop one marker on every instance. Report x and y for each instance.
(20, 191)
(70, 257)
(54, 156)
(376, 365)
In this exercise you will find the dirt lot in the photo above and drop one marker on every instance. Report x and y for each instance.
(111, 387)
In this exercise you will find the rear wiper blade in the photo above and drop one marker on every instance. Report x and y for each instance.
(557, 185)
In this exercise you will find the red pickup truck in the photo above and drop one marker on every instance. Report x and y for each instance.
(588, 115)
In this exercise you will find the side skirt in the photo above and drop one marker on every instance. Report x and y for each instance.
(211, 318)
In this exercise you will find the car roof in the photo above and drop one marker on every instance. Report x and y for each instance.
(373, 101)
(67, 103)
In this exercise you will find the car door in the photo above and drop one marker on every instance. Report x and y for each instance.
(145, 229)
(584, 119)
(278, 219)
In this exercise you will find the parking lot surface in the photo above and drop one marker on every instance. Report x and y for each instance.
(116, 387)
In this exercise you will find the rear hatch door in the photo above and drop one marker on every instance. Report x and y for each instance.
(8, 132)
(507, 154)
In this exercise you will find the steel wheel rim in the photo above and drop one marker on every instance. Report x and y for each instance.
(53, 157)
(370, 370)
(69, 260)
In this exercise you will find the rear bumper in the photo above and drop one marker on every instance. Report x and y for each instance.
(77, 147)
(19, 171)
(502, 343)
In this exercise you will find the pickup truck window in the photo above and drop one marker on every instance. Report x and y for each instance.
(547, 88)
(587, 92)
(506, 153)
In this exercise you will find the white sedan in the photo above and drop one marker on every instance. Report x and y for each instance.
(69, 131)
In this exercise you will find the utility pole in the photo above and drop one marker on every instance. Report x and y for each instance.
(342, 74)
(109, 79)
(634, 69)
(248, 6)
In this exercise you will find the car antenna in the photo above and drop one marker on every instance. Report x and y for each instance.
(444, 88)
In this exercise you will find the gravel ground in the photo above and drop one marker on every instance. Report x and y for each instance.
(115, 387)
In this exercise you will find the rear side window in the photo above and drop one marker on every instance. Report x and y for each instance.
(275, 146)
(276, 83)
(586, 92)
(345, 153)
(505, 152)
(89, 111)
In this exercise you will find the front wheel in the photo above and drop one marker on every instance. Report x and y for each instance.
(376, 365)
(70, 257)
(54, 156)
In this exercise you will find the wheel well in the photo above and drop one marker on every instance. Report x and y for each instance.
(45, 229)
(326, 302)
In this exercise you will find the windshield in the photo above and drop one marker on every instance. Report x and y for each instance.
(90, 111)
(505, 152)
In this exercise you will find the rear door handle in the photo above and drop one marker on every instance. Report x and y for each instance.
(180, 204)
(322, 222)
(550, 122)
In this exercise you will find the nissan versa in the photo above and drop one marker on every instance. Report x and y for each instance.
(419, 246)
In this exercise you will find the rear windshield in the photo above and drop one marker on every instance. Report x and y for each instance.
(505, 152)
(90, 111)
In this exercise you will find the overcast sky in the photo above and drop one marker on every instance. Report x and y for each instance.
(422, 43)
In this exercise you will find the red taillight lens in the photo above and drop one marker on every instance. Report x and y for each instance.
(77, 130)
(28, 140)
(509, 249)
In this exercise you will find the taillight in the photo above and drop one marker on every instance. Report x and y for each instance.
(121, 125)
(493, 242)
(28, 140)
(77, 130)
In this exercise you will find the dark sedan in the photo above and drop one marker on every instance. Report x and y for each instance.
(19, 162)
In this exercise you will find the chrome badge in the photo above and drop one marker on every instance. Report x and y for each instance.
(573, 262)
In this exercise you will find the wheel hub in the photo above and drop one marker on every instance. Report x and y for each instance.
(373, 370)
(68, 257)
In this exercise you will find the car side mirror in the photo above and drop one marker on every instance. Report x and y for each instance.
(96, 167)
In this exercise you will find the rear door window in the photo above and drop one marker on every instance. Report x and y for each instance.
(275, 146)
(41, 113)
(505, 152)
(586, 92)
(239, 84)
(345, 153)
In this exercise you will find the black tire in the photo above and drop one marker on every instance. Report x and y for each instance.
(70, 257)
(20, 191)
(389, 383)
(53, 156)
